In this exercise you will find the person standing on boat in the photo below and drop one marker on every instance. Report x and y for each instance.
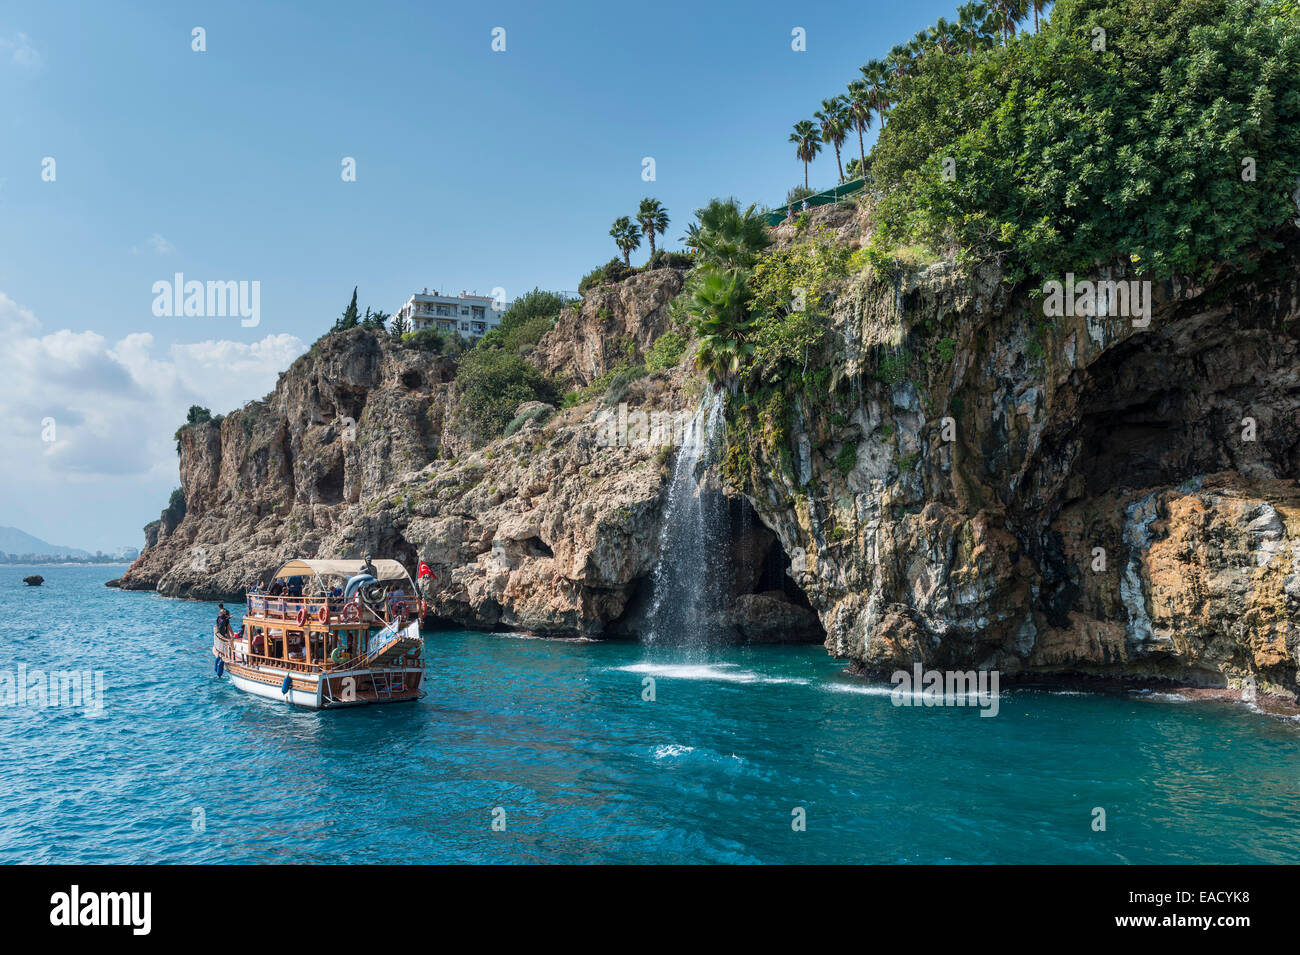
(223, 620)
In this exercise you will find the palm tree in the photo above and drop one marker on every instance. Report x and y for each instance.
(627, 237)
(858, 103)
(1037, 6)
(726, 236)
(942, 35)
(834, 120)
(875, 75)
(1005, 15)
(973, 25)
(899, 59)
(652, 217)
(807, 144)
(716, 299)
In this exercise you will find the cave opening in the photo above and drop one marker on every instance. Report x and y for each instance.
(329, 488)
(754, 599)
(1158, 410)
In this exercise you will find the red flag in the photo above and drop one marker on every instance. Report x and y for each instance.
(424, 571)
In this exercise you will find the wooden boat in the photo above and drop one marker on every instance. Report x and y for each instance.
(360, 646)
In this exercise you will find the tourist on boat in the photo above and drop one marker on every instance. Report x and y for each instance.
(295, 587)
(277, 588)
(223, 620)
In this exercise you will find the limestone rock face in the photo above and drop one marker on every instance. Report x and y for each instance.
(615, 323)
(1091, 495)
(552, 529)
(979, 487)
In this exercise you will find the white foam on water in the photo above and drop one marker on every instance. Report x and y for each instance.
(672, 749)
(859, 688)
(1160, 695)
(719, 672)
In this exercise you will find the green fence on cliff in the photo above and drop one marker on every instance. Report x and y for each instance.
(780, 214)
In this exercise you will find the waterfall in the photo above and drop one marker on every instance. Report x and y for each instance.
(691, 572)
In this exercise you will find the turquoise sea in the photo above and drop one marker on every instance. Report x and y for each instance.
(554, 739)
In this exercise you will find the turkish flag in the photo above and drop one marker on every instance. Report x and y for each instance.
(424, 571)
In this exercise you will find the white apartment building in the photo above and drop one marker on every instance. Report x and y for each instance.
(468, 315)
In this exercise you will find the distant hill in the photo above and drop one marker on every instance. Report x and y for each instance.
(14, 541)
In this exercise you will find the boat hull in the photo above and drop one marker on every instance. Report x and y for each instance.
(316, 691)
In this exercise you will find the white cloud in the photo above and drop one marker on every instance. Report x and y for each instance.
(158, 244)
(116, 405)
(20, 51)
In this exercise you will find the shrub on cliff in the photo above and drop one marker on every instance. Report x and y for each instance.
(491, 384)
(609, 273)
(527, 319)
(533, 305)
(426, 339)
(1168, 130)
(666, 351)
(663, 259)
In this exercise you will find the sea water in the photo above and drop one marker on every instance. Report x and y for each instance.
(531, 750)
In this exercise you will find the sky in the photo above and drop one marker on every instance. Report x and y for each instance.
(128, 156)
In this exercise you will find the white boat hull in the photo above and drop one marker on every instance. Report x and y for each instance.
(310, 700)
(327, 695)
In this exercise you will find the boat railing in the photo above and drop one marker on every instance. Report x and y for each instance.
(267, 607)
(298, 666)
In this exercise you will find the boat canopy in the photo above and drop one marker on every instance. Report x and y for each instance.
(384, 569)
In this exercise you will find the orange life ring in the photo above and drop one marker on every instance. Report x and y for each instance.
(323, 615)
(302, 616)
(351, 613)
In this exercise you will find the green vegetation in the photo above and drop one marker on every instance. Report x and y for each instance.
(612, 385)
(176, 506)
(666, 351)
(491, 384)
(1166, 131)
(352, 318)
(892, 367)
(615, 271)
(847, 459)
(652, 218)
(807, 144)
(717, 299)
(1060, 149)
(858, 104)
(834, 122)
(528, 318)
(626, 236)
(196, 415)
(538, 413)
(725, 236)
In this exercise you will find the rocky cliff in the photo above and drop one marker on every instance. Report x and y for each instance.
(976, 485)
(552, 529)
(1092, 495)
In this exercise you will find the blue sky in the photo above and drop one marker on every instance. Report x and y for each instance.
(475, 169)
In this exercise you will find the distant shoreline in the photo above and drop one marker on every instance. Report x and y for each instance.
(74, 563)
